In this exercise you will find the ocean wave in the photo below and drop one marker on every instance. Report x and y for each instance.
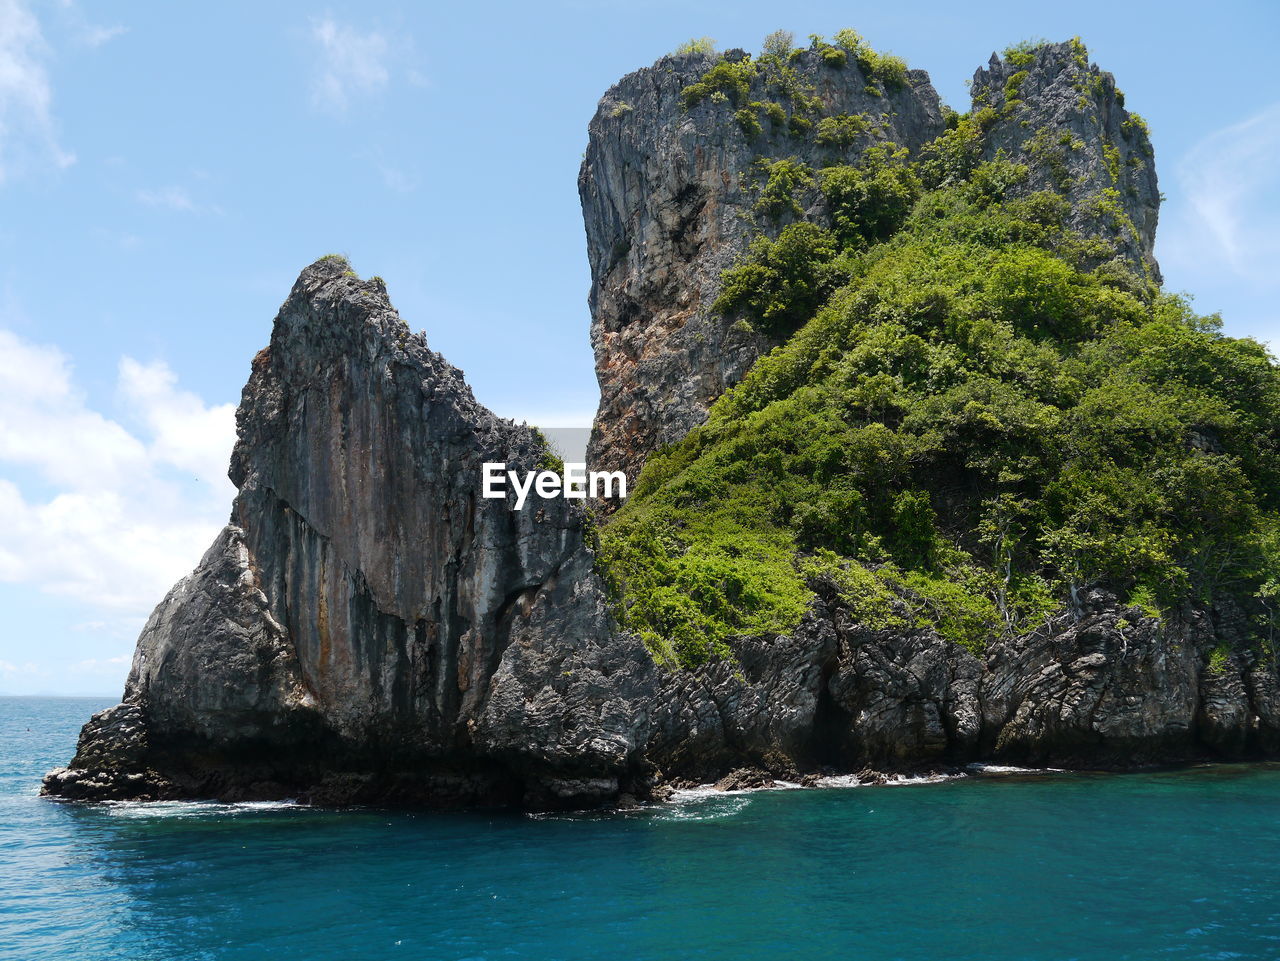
(714, 806)
(889, 780)
(711, 791)
(192, 809)
(977, 767)
(703, 791)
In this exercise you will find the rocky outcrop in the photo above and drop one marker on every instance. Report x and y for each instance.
(1117, 687)
(1065, 120)
(667, 195)
(368, 628)
(1107, 686)
(668, 192)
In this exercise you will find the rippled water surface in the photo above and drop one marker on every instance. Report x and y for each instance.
(1175, 865)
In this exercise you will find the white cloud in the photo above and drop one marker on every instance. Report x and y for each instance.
(83, 32)
(395, 179)
(28, 135)
(351, 63)
(105, 515)
(9, 669)
(186, 434)
(110, 667)
(95, 36)
(1229, 214)
(176, 199)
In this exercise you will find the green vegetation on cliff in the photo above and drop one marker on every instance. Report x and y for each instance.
(974, 413)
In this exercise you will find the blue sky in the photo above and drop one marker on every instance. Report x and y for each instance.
(167, 169)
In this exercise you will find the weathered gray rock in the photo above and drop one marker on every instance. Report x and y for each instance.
(110, 762)
(1114, 688)
(745, 779)
(213, 661)
(370, 627)
(667, 195)
(761, 708)
(1065, 119)
(904, 697)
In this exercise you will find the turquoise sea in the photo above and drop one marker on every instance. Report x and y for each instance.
(1171, 865)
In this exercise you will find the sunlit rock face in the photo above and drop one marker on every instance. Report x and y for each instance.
(667, 195)
(370, 628)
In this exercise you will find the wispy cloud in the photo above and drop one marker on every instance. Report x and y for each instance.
(28, 134)
(110, 667)
(392, 173)
(107, 515)
(84, 32)
(1230, 215)
(176, 199)
(96, 36)
(119, 239)
(395, 179)
(8, 667)
(350, 63)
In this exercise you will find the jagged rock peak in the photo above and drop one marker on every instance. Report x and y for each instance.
(370, 627)
(1065, 118)
(673, 169)
(670, 175)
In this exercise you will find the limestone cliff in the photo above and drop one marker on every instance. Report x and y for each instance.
(368, 625)
(369, 629)
(669, 190)
(667, 194)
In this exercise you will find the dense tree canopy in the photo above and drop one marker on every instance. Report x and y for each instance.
(972, 414)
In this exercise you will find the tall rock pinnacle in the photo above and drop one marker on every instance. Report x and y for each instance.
(670, 182)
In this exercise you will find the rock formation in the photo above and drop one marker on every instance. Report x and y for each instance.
(368, 626)
(368, 629)
(1065, 119)
(667, 195)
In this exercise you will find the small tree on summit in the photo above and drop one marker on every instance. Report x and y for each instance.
(779, 44)
(696, 45)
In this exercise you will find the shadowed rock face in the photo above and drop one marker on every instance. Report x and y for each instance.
(369, 629)
(368, 624)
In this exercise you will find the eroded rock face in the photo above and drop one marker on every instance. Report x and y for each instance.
(369, 629)
(1065, 119)
(667, 196)
(369, 626)
(1115, 687)
(903, 698)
